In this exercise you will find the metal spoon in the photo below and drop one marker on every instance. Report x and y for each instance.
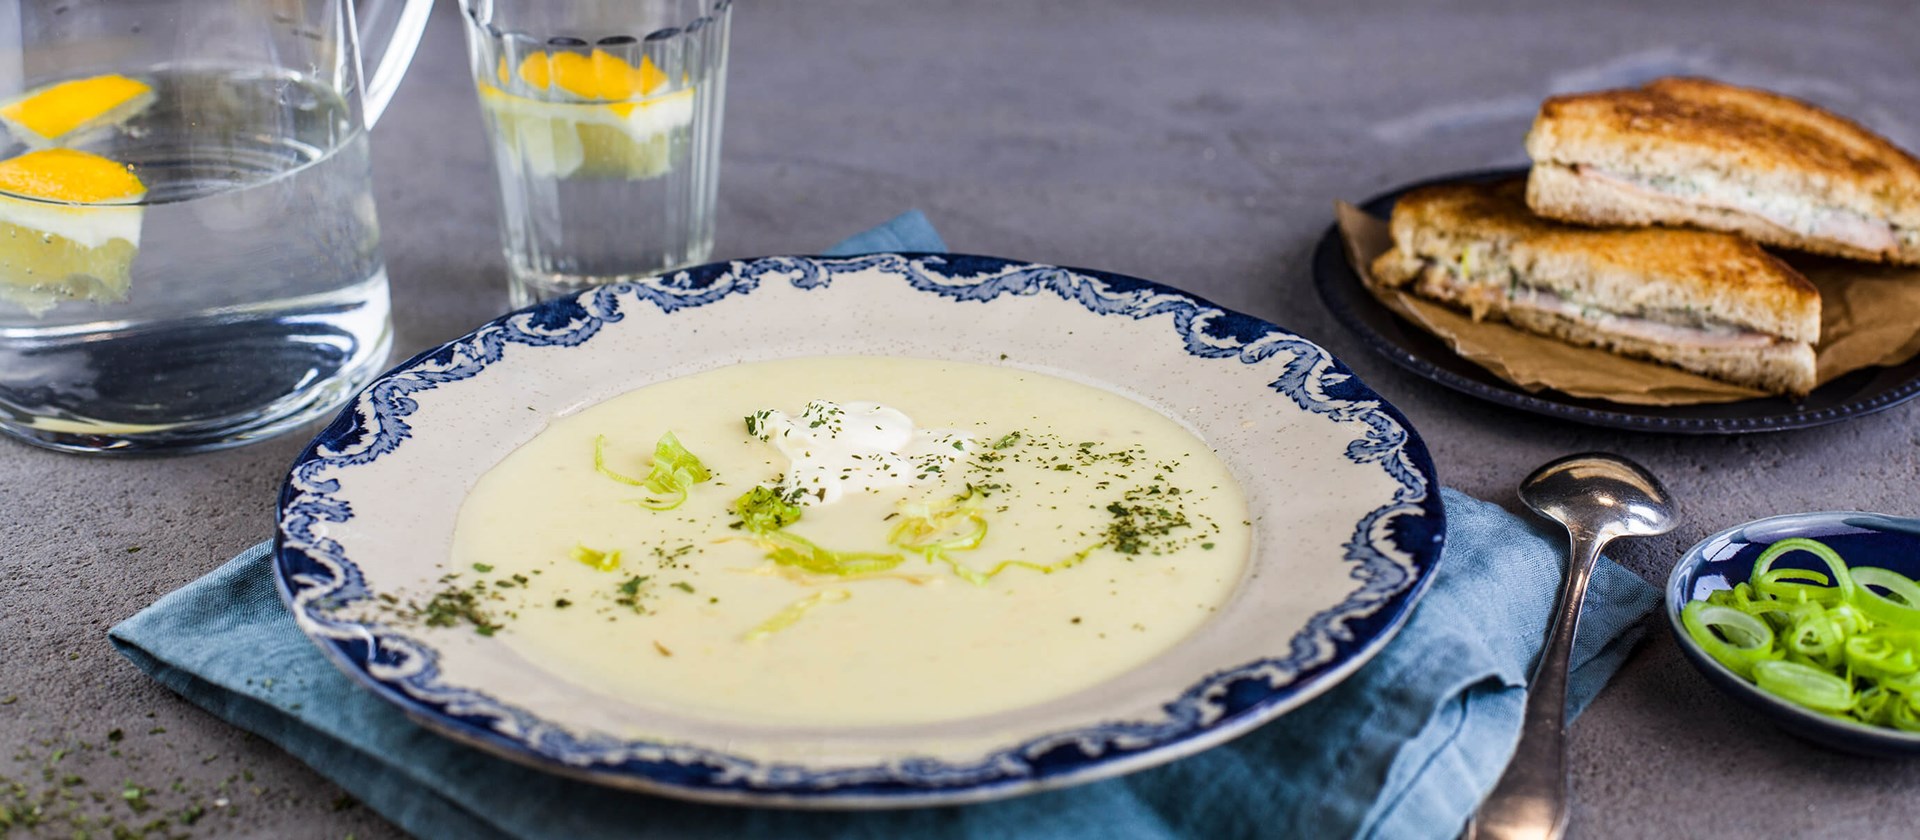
(1597, 497)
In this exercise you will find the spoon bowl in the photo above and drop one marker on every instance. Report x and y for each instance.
(1607, 495)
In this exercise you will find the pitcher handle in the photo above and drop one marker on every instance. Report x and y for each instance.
(408, 21)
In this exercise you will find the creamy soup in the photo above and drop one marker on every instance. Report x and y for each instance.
(849, 541)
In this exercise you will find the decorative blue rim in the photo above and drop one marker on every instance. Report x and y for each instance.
(1856, 394)
(316, 577)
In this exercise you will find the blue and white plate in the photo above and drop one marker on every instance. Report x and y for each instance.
(1346, 511)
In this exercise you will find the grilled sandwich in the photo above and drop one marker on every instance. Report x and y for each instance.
(1711, 303)
(1683, 151)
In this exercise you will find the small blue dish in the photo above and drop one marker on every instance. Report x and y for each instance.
(1725, 560)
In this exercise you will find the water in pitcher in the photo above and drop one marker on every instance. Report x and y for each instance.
(251, 296)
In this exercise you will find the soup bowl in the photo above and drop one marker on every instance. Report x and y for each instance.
(1343, 505)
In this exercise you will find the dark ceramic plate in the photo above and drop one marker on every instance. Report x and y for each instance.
(1858, 393)
(1725, 560)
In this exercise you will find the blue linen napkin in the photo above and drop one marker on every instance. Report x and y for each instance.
(909, 231)
(1404, 748)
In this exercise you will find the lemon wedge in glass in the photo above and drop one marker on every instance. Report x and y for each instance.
(590, 116)
(62, 112)
(69, 228)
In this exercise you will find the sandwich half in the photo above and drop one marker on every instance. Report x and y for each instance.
(1698, 152)
(1711, 303)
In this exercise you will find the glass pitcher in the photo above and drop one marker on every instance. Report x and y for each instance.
(189, 257)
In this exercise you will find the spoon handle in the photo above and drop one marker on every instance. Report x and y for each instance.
(1531, 798)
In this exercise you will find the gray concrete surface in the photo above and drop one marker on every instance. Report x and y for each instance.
(1200, 144)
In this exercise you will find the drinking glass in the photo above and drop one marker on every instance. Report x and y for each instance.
(189, 256)
(604, 122)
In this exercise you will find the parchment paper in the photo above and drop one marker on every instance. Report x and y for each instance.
(1869, 315)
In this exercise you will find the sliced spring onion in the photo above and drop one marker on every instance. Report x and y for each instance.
(1844, 641)
(1849, 620)
(931, 530)
(1742, 598)
(761, 509)
(801, 553)
(1879, 657)
(928, 530)
(600, 464)
(980, 578)
(1903, 613)
(765, 515)
(1804, 684)
(1814, 638)
(1904, 714)
(605, 561)
(1874, 706)
(934, 530)
(1741, 641)
(1840, 579)
(1797, 585)
(1908, 684)
(675, 471)
(794, 612)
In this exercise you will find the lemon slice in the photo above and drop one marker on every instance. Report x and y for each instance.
(596, 116)
(630, 140)
(69, 228)
(57, 113)
(598, 76)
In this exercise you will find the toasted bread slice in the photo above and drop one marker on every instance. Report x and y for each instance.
(1698, 152)
(1711, 303)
